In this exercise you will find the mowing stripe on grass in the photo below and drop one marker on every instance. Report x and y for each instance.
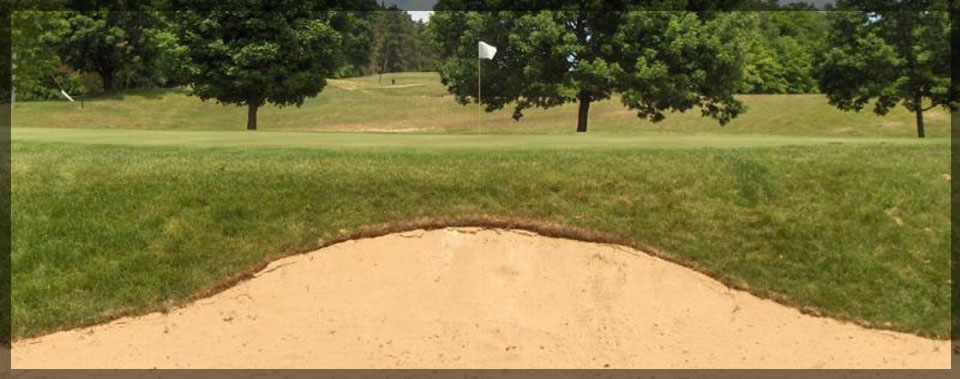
(436, 141)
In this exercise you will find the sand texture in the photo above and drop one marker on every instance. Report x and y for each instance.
(479, 298)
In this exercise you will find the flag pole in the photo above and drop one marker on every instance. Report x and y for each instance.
(479, 106)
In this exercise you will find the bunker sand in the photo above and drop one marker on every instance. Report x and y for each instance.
(479, 298)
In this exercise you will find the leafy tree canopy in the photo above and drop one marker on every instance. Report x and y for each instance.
(117, 44)
(781, 51)
(277, 52)
(34, 58)
(657, 61)
(888, 57)
(400, 44)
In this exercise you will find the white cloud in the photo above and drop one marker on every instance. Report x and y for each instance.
(411, 5)
(420, 15)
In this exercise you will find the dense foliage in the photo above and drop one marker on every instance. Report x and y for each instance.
(658, 61)
(897, 55)
(400, 43)
(34, 61)
(118, 47)
(781, 52)
(258, 56)
(87, 51)
(697, 55)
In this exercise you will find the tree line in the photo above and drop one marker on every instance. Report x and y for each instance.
(697, 54)
(89, 52)
(400, 44)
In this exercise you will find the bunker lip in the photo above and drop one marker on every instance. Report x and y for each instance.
(483, 221)
(479, 297)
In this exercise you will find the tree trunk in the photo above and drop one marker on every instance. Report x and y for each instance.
(106, 76)
(918, 101)
(252, 115)
(582, 115)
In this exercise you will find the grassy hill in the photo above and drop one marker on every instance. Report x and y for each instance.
(417, 103)
(843, 214)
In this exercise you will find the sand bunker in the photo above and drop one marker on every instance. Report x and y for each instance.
(477, 298)
(347, 85)
(408, 85)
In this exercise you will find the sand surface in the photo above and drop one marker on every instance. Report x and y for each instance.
(478, 298)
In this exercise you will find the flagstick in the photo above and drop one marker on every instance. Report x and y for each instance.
(479, 106)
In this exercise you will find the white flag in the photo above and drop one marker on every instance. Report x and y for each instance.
(64, 93)
(486, 51)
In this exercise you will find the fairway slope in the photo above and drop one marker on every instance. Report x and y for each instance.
(479, 298)
(417, 102)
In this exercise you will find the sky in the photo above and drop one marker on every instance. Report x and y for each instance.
(412, 5)
(420, 15)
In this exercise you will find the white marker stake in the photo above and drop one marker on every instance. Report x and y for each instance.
(64, 93)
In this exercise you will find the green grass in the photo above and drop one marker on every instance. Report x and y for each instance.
(859, 231)
(147, 198)
(421, 141)
(361, 104)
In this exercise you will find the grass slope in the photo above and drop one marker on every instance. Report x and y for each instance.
(147, 198)
(414, 104)
(858, 231)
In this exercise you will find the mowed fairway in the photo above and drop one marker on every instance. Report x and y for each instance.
(438, 142)
(842, 214)
(416, 104)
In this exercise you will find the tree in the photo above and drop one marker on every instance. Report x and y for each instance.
(356, 27)
(392, 40)
(117, 44)
(34, 59)
(400, 44)
(781, 51)
(169, 66)
(277, 52)
(894, 55)
(763, 68)
(658, 61)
